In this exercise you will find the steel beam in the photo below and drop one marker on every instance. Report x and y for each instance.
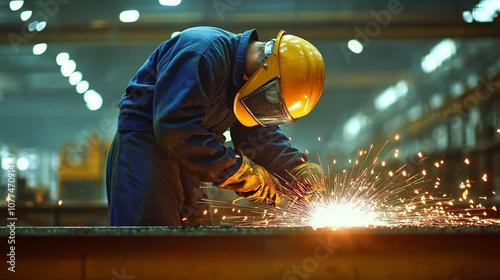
(249, 253)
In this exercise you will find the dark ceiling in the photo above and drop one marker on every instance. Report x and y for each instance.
(39, 108)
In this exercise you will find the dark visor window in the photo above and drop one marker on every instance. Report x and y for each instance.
(266, 104)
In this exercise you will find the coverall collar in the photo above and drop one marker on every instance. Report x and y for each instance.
(241, 53)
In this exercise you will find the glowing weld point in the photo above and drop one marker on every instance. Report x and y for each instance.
(467, 161)
(342, 216)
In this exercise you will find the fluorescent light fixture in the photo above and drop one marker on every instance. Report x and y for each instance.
(484, 11)
(68, 68)
(61, 58)
(16, 5)
(172, 3)
(443, 51)
(75, 78)
(39, 49)
(93, 100)
(23, 163)
(26, 15)
(391, 95)
(82, 87)
(32, 26)
(354, 125)
(129, 16)
(355, 46)
(41, 26)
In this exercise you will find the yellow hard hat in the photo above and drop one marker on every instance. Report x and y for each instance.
(286, 86)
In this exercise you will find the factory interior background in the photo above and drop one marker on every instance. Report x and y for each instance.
(421, 76)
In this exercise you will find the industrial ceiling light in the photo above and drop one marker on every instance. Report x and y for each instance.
(355, 46)
(75, 78)
(23, 163)
(129, 16)
(443, 51)
(68, 68)
(171, 3)
(16, 5)
(26, 15)
(93, 100)
(82, 87)
(41, 26)
(61, 58)
(39, 49)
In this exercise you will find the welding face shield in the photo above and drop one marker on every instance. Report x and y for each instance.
(266, 105)
(286, 86)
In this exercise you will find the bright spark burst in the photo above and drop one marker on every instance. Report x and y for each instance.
(369, 195)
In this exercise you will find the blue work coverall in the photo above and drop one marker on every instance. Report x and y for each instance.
(170, 130)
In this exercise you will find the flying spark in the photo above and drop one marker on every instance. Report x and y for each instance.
(368, 195)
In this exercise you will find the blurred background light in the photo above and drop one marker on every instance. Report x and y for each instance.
(32, 26)
(170, 2)
(75, 78)
(41, 26)
(438, 54)
(82, 86)
(129, 16)
(7, 162)
(93, 100)
(26, 15)
(23, 163)
(391, 95)
(355, 46)
(39, 49)
(68, 68)
(16, 5)
(61, 58)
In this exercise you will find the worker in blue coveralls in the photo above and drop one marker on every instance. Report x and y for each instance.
(175, 110)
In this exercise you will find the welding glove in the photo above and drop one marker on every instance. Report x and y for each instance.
(254, 183)
(308, 179)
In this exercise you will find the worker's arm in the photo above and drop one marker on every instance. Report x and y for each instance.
(183, 92)
(271, 148)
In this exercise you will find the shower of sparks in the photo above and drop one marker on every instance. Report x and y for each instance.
(369, 195)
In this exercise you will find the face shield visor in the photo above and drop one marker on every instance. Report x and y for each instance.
(266, 105)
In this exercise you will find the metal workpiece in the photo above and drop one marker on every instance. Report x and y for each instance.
(253, 253)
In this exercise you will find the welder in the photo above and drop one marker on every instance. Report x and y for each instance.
(176, 108)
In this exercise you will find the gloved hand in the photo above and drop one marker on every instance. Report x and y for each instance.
(308, 180)
(254, 183)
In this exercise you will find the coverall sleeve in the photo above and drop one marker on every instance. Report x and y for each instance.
(269, 147)
(182, 95)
